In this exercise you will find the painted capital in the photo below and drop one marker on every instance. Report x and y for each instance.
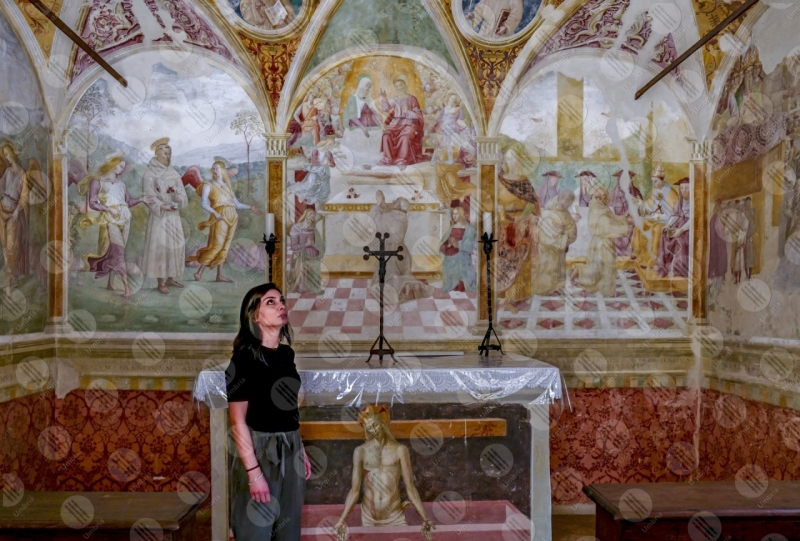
(276, 145)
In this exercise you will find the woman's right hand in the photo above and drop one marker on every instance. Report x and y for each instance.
(259, 490)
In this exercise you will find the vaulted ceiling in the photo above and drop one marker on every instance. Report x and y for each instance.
(277, 61)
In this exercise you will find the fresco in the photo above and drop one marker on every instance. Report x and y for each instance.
(382, 144)
(754, 263)
(24, 188)
(113, 26)
(497, 20)
(362, 24)
(162, 189)
(267, 14)
(594, 207)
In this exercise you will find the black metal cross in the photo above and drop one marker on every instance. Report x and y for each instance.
(382, 255)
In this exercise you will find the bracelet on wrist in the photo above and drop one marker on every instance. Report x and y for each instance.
(256, 479)
(248, 470)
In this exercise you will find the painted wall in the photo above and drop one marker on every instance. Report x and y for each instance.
(382, 144)
(24, 186)
(362, 24)
(754, 264)
(207, 117)
(598, 259)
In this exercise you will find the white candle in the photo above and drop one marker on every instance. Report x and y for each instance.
(270, 224)
(487, 223)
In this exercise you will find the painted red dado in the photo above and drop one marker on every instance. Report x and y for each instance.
(610, 436)
(22, 421)
(648, 435)
(739, 434)
(142, 441)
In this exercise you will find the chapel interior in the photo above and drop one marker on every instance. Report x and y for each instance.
(636, 257)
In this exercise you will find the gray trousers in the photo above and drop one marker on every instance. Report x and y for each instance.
(280, 455)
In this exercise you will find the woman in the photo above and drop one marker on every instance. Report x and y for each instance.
(308, 249)
(262, 385)
(457, 245)
(108, 195)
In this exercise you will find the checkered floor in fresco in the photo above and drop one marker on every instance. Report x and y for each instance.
(347, 307)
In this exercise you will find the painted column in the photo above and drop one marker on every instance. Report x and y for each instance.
(57, 254)
(488, 159)
(698, 274)
(276, 180)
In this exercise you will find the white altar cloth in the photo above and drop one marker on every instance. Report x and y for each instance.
(350, 381)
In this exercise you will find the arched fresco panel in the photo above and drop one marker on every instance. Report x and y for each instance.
(593, 204)
(382, 144)
(754, 232)
(161, 239)
(24, 190)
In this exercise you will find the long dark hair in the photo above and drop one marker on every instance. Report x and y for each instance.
(249, 337)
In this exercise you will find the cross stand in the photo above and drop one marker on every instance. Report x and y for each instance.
(488, 240)
(270, 245)
(382, 255)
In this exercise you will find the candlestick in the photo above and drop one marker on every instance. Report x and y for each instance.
(487, 223)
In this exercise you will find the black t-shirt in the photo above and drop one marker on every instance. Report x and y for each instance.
(270, 386)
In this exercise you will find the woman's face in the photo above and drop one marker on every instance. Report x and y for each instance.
(216, 171)
(272, 310)
(452, 101)
(8, 156)
(119, 168)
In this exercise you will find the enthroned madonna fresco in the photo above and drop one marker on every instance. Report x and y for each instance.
(382, 144)
(593, 213)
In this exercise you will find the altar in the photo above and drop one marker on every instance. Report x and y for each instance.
(477, 428)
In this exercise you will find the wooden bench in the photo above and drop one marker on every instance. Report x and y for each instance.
(128, 516)
(702, 511)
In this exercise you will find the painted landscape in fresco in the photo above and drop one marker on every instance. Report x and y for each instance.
(754, 251)
(166, 201)
(24, 188)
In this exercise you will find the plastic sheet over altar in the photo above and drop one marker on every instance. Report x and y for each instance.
(350, 381)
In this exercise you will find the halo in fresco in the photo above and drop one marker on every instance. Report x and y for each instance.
(494, 22)
(266, 18)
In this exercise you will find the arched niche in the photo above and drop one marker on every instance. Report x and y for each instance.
(381, 139)
(754, 238)
(24, 160)
(209, 116)
(587, 163)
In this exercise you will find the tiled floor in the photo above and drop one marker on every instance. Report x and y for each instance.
(632, 312)
(348, 308)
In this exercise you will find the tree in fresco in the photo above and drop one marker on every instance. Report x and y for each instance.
(249, 125)
(91, 108)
